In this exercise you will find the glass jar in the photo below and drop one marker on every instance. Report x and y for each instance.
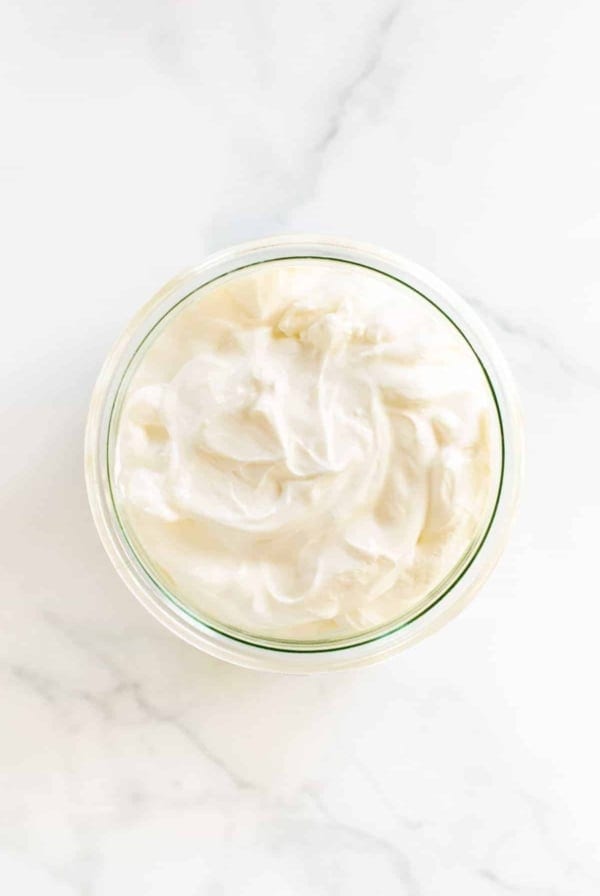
(290, 656)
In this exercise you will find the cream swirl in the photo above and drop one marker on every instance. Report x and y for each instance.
(306, 449)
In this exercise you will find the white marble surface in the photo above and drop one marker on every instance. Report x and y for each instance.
(137, 136)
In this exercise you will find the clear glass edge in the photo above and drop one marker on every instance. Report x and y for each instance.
(394, 638)
(139, 557)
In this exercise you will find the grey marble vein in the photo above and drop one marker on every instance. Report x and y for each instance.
(124, 685)
(33, 680)
(501, 884)
(541, 813)
(190, 735)
(397, 857)
(578, 371)
(347, 94)
(341, 106)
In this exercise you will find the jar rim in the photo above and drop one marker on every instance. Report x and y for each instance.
(447, 598)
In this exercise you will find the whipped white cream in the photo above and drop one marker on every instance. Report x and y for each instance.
(306, 450)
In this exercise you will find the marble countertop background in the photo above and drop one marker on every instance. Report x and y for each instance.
(138, 136)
